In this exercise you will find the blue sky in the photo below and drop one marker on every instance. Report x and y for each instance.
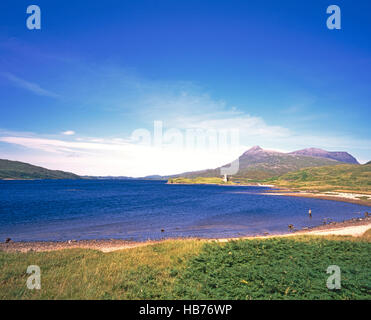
(73, 92)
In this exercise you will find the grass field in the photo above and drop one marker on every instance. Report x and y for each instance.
(199, 180)
(346, 178)
(277, 268)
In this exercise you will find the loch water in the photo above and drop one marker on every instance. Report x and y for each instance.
(58, 210)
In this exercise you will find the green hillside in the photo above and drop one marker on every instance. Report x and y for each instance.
(20, 170)
(341, 177)
(268, 164)
(345, 177)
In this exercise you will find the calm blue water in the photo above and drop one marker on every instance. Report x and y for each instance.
(138, 210)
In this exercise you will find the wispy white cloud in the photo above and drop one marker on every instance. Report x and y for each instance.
(69, 133)
(115, 156)
(29, 86)
(248, 126)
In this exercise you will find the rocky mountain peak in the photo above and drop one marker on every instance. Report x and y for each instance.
(254, 149)
(334, 155)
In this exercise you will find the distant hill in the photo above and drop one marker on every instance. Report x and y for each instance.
(257, 164)
(20, 170)
(152, 177)
(344, 177)
(107, 177)
(337, 155)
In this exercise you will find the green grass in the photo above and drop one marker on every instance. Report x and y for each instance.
(292, 268)
(141, 273)
(277, 269)
(345, 178)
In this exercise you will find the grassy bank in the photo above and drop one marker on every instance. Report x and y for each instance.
(343, 178)
(140, 273)
(199, 180)
(277, 268)
(214, 180)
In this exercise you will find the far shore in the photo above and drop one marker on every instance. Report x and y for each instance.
(355, 198)
(350, 197)
(354, 227)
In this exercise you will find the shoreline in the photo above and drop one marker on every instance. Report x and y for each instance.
(354, 227)
(350, 197)
(333, 196)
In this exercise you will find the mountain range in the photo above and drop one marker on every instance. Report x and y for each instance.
(337, 155)
(257, 163)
